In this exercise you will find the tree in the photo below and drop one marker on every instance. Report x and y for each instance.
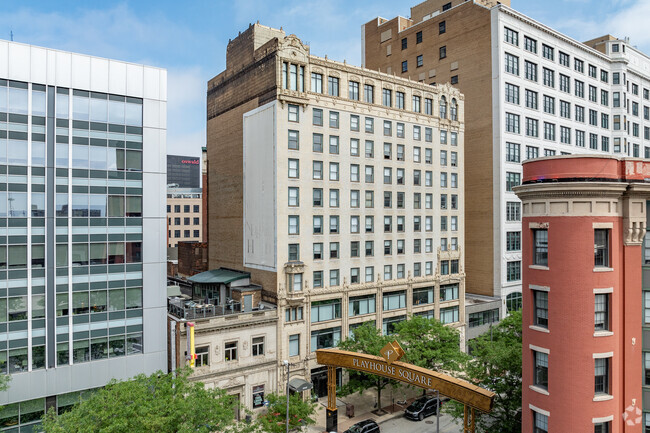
(157, 403)
(4, 382)
(365, 339)
(301, 413)
(429, 344)
(497, 366)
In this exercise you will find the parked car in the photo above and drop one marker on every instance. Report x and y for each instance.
(422, 408)
(366, 426)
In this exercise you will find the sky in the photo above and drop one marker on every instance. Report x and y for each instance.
(189, 38)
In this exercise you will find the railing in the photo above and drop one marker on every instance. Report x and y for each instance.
(190, 310)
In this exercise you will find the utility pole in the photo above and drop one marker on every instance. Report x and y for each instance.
(437, 411)
(286, 362)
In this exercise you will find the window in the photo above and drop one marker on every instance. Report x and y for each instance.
(334, 171)
(540, 422)
(419, 61)
(513, 241)
(369, 93)
(549, 104)
(604, 76)
(549, 131)
(294, 345)
(513, 301)
(404, 43)
(579, 65)
(565, 135)
(453, 80)
(202, 356)
(563, 59)
(442, 27)
(604, 427)
(334, 119)
(601, 312)
(293, 139)
(541, 369)
(230, 351)
(513, 270)
(601, 376)
(334, 224)
(334, 144)
(294, 224)
(317, 170)
(333, 86)
(580, 114)
(449, 315)
(394, 300)
(316, 82)
(317, 143)
(512, 153)
(334, 277)
(548, 77)
(513, 211)
(512, 93)
(512, 180)
(512, 64)
(601, 247)
(530, 44)
(512, 123)
(325, 310)
(405, 66)
(547, 52)
(325, 338)
(531, 99)
(541, 308)
(293, 113)
(540, 247)
(387, 97)
(353, 90)
(532, 127)
(360, 305)
(511, 36)
(257, 346)
(294, 252)
(530, 70)
(593, 71)
(294, 172)
(416, 104)
(443, 51)
(399, 100)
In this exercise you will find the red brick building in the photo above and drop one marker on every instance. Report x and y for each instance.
(584, 221)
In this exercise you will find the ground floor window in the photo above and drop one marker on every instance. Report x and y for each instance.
(258, 396)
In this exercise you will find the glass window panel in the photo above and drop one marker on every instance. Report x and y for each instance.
(98, 110)
(133, 344)
(80, 205)
(3, 99)
(98, 301)
(17, 308)
(17, 204)
(80, 107)
(79, 254)
(115, 206)
(38, 204)
(3, 204)
(111, 158)
(63, 358)
(62, 205)
(17, 256)
(119, 159)
(133, 206)
(38, 306)
(38, 103)
(97, 254)
(61, 154)
(81, 351)
(133, 298)
(18, 100)
(134, 252)
(134, 114)
(38, 153)
(115, 252)
(116, 346)
(62, 106)
(133, 160)
(3, 257)
(79, 156)
(116, 300)
(3, 151)
(62, 255)
(80, 303)
(97, 207)
(38, 256)
(97, 158)
(3, 314)
(18, 360)
(62, 304)
(17, 152)
(116, 112)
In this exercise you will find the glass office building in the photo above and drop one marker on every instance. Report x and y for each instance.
(82, 182)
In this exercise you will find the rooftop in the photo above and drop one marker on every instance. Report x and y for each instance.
(219, 276)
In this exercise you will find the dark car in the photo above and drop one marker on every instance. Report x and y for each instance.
(422, 408)
(367, 426)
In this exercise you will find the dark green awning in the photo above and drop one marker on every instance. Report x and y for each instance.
(219, 276)
(299, 385)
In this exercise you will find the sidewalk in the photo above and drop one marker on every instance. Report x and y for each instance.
(364, 405)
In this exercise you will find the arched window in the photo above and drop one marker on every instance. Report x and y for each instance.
(454, 109)
(443, 107)
(513, 302)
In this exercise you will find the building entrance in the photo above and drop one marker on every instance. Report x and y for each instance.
(319, 380)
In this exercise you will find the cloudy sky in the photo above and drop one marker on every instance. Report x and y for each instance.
(190, 40)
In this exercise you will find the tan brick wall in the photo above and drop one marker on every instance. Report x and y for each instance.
(467, 40)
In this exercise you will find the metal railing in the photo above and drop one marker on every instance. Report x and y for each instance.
(190, 310)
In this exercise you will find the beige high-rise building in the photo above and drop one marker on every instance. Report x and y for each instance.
(530, 91)
(184, 216)
(339, 189)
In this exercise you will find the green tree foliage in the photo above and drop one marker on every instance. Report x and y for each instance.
(429, 344)
(365, 339)
(4, 382)
(497, 366)
(158, 403)
(301, 413)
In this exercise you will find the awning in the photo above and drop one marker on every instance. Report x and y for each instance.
(219, 276)
(299, 385)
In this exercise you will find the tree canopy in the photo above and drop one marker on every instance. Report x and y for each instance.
(496, 365)
(301, 413)
(161, 403)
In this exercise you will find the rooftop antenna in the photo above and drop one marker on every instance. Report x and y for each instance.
(11, 35)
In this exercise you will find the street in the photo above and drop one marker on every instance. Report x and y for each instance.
(403, 425)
